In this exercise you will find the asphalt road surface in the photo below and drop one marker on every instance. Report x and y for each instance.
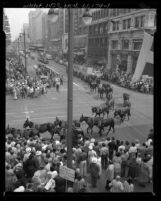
(54, 104)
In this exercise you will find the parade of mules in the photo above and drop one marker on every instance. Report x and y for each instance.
(101, 119)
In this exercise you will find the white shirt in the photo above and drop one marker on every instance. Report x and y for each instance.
(132, 149)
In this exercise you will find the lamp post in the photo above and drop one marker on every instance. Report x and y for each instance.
(24, 35)
(87, 17)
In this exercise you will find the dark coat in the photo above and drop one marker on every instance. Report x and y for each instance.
(60, 184)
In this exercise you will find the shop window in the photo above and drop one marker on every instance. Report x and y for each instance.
(114, 44)
(137, 44)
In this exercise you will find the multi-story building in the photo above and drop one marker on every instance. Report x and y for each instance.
(116, 35)
(45, 30)
(35, 26)
(6, 29)
(80, 30)
(98, 37)
(55, 33)
(126, 34)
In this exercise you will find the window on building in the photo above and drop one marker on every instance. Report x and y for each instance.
(137, 22)
(106, 27)
(114, 26)
(124, 24)
(96, 30)
(125, 44)
(117, 25)
(137, 43)
(114, 44)
(142, 21)
(128, 23)
(105, 42)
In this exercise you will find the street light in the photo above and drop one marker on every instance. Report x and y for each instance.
(24, 35)
(87, 17)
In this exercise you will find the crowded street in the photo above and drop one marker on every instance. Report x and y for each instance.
(111, 136)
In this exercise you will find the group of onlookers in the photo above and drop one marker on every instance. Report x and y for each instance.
(32, 164)
(20, 85)
(124, 79)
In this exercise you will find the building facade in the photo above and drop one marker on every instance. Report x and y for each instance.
(55, 33)
(6, 29)
(80, 31)
(35, 26)
(126, 34)
(98, 36)
(45, 30)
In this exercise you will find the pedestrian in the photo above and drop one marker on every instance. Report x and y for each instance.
(30, 166)
(83, 163)
(143, 177)
(104, 153)
(116, 185)
(109, 175)
(124, 163)
(94, 172)
(128, 185)
(112, 148)
(117, 164)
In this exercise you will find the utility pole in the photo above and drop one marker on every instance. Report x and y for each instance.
(70, 90)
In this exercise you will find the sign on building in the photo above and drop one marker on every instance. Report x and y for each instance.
(145, 56)
(67, 173)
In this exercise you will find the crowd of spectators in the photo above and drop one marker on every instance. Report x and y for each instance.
(123, 79)
(32, 164)
(20, 84)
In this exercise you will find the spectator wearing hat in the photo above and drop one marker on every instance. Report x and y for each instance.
(116, 185)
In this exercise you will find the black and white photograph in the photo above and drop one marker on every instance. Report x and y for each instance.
(79, 107)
